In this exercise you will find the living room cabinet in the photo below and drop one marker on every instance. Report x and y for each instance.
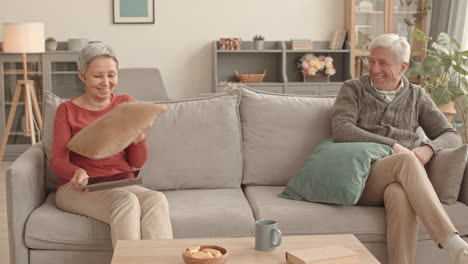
(280, 62)
(54, 71)
(366, 19)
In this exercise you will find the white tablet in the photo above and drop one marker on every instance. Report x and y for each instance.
(112, 181)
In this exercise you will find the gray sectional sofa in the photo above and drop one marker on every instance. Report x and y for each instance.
(221, 159)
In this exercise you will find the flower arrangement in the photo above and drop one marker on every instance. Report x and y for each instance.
(310, 65)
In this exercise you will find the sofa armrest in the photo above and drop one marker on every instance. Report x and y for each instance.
(463, 197)
(25, 191)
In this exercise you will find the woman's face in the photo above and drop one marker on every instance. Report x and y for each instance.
(101, 77)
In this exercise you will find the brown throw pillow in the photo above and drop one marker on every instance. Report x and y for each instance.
(114, 131)
(445, 170)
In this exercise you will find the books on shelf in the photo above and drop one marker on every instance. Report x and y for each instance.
(301, 44)
(323, 255)
(337, 39)
(361, 66)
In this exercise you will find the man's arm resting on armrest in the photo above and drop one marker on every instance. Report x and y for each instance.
(25, 191)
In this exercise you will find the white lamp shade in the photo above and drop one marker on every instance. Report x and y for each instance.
(23, 37)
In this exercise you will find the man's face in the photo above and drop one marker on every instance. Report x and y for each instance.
(385, 71)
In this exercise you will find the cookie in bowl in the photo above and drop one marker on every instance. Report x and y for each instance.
(205, 254)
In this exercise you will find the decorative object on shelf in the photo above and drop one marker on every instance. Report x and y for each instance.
(250, 77)
(258, 42)
(301, 44)
(316, 69)
(442, 73)
(318, 77)
(337, 39)
(361, 66)
(50, 44)
(230, 43)
(133, 12)
(365, 6)
(77, 44)
(363, 37)
(23, 38)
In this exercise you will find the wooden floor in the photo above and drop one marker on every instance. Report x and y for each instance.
(4, 255)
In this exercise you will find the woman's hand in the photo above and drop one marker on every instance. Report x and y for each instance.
(80, 178)
(142, 136)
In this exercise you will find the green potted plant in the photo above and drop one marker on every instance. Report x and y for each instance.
(443, 72)
(50, 44)
(258, 41)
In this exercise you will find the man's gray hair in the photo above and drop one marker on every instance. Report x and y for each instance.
(397, 45)
(92, 51)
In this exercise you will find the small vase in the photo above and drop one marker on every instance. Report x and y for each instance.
(258, 44)
(318, 77)
(51, 45)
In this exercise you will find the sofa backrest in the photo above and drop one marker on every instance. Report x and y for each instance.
(278, 132)
(195, 144)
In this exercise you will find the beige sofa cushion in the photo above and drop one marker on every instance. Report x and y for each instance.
(195, 144)
(194, 213)
(121, 125)
(446, 170)
(366, 222)
(51, 102)
(279, 131)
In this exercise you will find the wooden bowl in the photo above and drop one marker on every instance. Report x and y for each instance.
(219, 260)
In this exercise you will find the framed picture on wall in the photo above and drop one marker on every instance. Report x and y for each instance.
(133, 11)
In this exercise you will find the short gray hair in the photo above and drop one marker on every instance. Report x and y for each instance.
(398, 46)
(92, 51)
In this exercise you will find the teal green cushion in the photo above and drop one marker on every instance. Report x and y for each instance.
(335, 173)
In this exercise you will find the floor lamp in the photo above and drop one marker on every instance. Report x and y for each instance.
(23, 38)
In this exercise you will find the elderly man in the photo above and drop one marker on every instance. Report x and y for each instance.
(383, 107)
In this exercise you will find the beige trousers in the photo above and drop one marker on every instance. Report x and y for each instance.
(133, 212)
(401, 183)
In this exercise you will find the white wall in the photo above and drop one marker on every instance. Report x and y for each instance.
(179, 43)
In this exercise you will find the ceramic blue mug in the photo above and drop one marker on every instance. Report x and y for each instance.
(267, 235)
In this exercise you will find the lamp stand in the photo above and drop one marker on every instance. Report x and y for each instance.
(30, 103)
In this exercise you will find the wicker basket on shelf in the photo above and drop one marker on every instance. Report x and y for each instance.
(250, 77)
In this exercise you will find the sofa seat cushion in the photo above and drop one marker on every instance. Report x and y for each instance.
(194, 213)
(50, 228)
(210, 213)
(301, 217)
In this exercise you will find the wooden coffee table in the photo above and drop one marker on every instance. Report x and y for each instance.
(241, 249)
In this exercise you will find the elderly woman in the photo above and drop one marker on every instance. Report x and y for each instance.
(383, 107)
(133, 212)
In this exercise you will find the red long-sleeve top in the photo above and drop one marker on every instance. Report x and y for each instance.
(69, 120)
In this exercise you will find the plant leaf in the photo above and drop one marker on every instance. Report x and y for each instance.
(464, 101)
(420, 35)
(440, 95)
(443, 40)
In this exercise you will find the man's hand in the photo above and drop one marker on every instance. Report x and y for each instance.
(423, 153)
(399, 148)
